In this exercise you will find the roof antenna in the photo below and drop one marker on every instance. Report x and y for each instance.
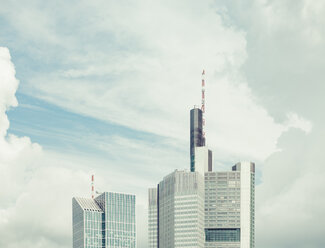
(203, 105)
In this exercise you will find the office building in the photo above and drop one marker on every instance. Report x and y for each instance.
(229, 207)
(175, 216)
(180, 211)
(104, 222)
(87, 223)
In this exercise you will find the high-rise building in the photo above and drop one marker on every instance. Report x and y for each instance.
(104, 222)
(87, 223)
(180, 211)
(175, 216)
(202, 208)
(229, 207)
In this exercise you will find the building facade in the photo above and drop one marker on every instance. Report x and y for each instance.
(179, 211)
(203, 208)
(87, 223)
(203, 159)
(153, 218)
(104, 222)
(229, 207)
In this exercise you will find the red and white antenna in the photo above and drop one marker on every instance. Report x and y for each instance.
(203, 104)
(92, 187)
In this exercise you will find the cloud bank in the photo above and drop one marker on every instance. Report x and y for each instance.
(35, 192)
(264, 83)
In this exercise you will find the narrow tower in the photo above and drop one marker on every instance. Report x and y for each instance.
(197, 123)
(196, 134)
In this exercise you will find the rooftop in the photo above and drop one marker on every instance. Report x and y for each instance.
(88, 204)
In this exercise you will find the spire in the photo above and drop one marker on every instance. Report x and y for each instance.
(203, 104)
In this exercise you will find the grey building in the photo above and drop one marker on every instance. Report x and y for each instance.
(179, 214)
(104, 222)
(202, 208)
(229, 207)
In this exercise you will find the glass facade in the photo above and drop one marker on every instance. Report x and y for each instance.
(222, 235)
(196, 134)
(87, 224)
(119, 227)
(78, 225)
(93, 229)
(105, 222)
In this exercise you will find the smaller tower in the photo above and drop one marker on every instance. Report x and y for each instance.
(197, 131)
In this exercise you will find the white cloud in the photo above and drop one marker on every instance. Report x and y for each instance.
(298, 122)
(8, 87)
(285, 40)
(289, 15)
(35, 191)
(289, 202)
(37, 185)
(144, 61)
(13, 150)
(148, 76)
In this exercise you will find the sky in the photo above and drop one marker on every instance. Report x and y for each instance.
(105, 88)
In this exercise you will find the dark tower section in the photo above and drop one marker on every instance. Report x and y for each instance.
(196, 135)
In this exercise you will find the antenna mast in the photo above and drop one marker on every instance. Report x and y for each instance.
(92, 187)
(203, 105)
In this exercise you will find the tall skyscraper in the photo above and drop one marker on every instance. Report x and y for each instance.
(179, 217)
(183, 200)
(229, 207)
(104, 222)
(228, 198)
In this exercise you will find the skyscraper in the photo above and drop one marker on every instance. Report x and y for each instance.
(104, 222)
(229, 207)
(87, 223)
(228, 200)
(179, 217)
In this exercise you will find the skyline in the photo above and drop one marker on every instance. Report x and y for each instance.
(107, 89)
